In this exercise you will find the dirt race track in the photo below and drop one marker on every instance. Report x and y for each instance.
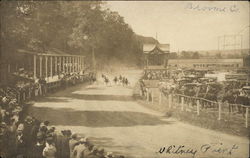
(113, 120)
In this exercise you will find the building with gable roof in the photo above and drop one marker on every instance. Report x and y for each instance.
(156, 56)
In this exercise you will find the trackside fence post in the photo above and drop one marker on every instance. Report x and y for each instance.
(182, 103)
(169, 100)
(246, 116)
(147, 94)
(198, 107)
(219, 103)
(152, 96)
(160, 98)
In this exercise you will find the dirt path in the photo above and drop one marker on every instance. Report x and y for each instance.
(113, 120)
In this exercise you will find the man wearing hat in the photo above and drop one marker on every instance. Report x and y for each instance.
(78, 151)
(89, 148)
(62, 145)
(72, 143)
(3, 139)
(37, 149)
(20, 142)
(50, 150)
(109, 155)
(94, 153)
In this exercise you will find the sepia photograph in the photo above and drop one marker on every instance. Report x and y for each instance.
(124, 79)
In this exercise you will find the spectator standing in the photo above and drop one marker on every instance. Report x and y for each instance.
(62, 145)
(38, 147)
(93, 154)
(20, 143)
(50, 150)
(78, 151)
(72, 143)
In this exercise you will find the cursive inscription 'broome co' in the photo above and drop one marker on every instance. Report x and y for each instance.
(200, 7)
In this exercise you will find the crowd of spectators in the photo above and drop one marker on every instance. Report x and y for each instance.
(24, 136)
(31, 138)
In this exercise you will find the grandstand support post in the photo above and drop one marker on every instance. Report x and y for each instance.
(51, 66)
(67, 64)
(34, 67)
(74, 64)
(160, 98)
(219, 103)
(59, 63)
(41, 66)
(46, 66)
(71, 64)
(182, 103)
(169, 100)
(78, 63)
(82, 63)
(147, 94)
(246, 117)
(198, 107)
(152, 97)
(56, 64)
(63, 64)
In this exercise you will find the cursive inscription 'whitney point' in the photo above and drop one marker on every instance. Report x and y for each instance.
(177, 149)
(216, 148)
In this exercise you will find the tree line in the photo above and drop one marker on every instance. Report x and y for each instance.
(73, 27)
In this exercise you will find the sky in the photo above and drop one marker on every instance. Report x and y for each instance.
(188, 25)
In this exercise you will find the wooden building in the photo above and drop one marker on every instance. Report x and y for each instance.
(155, 56)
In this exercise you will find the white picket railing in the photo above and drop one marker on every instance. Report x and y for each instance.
(187, 102)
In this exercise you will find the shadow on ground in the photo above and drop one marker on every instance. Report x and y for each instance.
(70, 117)
(52, 99)
(98, 97)
(108, 143)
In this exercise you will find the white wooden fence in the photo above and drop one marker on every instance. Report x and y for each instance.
(187, 103)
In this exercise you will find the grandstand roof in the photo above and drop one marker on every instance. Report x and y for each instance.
(50, 52)
(149, 48)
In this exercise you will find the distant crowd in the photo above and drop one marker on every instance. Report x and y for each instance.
(194, 84)
(155, 74)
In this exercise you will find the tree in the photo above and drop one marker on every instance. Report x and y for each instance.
(73, 27)
(186, 55)
(218, 55)
(196, 55)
